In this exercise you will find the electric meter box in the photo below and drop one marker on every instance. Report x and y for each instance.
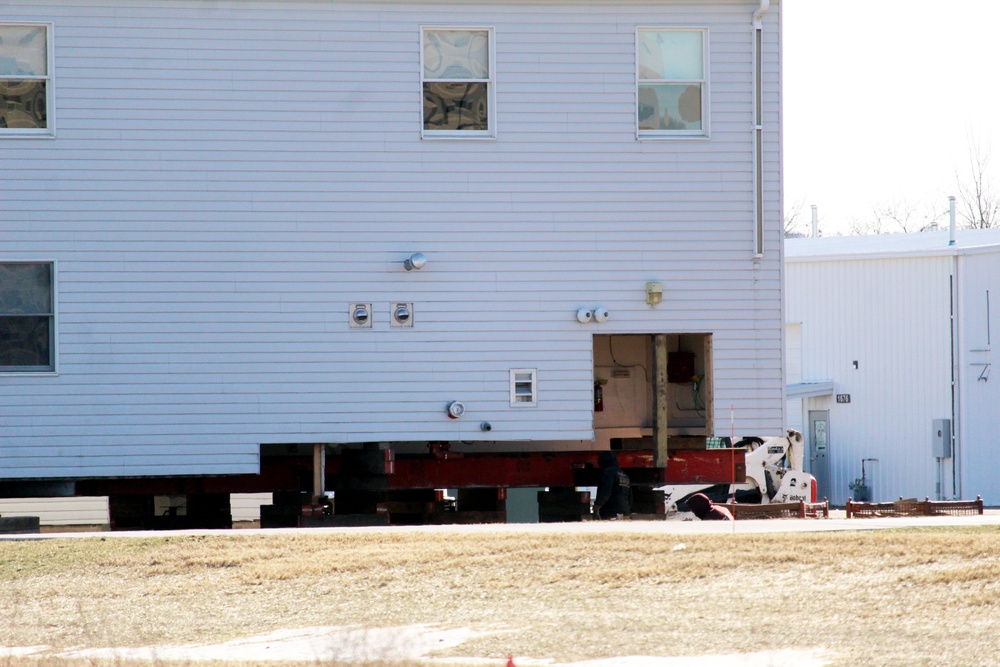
(941, 438)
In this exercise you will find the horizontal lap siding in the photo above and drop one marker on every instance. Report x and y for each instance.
(227, 178)
(81, 511)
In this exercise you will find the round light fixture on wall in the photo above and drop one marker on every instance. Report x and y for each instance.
(415, 261)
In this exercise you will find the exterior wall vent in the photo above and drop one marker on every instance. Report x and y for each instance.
(523, 388)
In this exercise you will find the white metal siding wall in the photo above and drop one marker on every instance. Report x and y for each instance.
(793, 373)
(980, 398)
(892, 317)
(228, 177)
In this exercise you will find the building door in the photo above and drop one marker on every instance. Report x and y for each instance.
(819, 451)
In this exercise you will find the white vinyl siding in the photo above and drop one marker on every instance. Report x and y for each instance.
(93, 511)
(79, 511)
(26, 90)
(209, 243)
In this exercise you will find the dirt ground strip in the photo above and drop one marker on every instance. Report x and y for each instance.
(408, 644)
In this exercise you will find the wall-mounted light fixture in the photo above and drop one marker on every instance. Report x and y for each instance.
(654, 293)
(601, 314)
(584, 315)
(416, 261)
(455, 410)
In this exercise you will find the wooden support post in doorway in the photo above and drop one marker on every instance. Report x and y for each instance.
(319, 471)
(660, 396)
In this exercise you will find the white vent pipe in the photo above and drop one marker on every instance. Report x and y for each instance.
(951, 220)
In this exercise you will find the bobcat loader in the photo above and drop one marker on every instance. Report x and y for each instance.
(774, 475)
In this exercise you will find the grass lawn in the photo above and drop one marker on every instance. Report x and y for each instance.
(894, 597)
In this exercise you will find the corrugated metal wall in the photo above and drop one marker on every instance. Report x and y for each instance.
(979, 279)
(892, 317)
(228, 177)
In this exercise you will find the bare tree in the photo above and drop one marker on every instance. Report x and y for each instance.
(796, 225)
(897, 217)
(978, 203)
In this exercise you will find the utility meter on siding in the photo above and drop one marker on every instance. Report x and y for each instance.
(402, 314)
(360, 315)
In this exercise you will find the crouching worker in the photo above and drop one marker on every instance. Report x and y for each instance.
(614, 491)
(705, 510)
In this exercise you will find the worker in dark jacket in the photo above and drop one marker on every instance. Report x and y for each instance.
(705, 510)
(614, 491)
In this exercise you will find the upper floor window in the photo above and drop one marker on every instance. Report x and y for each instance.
(457, 77)
(27, 316)
(672, 82)
(25, 78)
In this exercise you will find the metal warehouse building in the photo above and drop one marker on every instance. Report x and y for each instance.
(889, 368)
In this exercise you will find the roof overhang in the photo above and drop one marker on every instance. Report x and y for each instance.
(809, 389)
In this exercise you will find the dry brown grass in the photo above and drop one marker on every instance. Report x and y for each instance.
(899, 597)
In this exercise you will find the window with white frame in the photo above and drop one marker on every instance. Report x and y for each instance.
(25, 78)
(27, 316)
(523, 388)
(672, 82)
(457, 81)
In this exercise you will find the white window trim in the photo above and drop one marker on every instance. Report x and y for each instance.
(50, 88)
(55, 321)
(491, 90)
(673, 135)
(514, 403)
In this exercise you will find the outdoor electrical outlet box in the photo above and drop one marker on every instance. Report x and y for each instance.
(941, 438)
(680, 367)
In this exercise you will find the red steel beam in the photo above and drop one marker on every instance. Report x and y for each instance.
(711, 466)
(450, 470)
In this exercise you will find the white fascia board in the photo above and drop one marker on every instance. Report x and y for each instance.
(808, 389)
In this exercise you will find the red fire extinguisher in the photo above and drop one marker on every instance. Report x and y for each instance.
(598, 397)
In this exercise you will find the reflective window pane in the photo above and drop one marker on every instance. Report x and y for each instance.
(25, 343)
(22, 104)
(456, 54)
(23, 51)
(671, 54)
(670, 106)
(456, 106)
(25, 289)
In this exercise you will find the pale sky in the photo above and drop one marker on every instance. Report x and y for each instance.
(883, 100)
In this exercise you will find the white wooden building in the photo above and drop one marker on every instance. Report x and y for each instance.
(92, 512)
(887, 334)
(207, 208)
